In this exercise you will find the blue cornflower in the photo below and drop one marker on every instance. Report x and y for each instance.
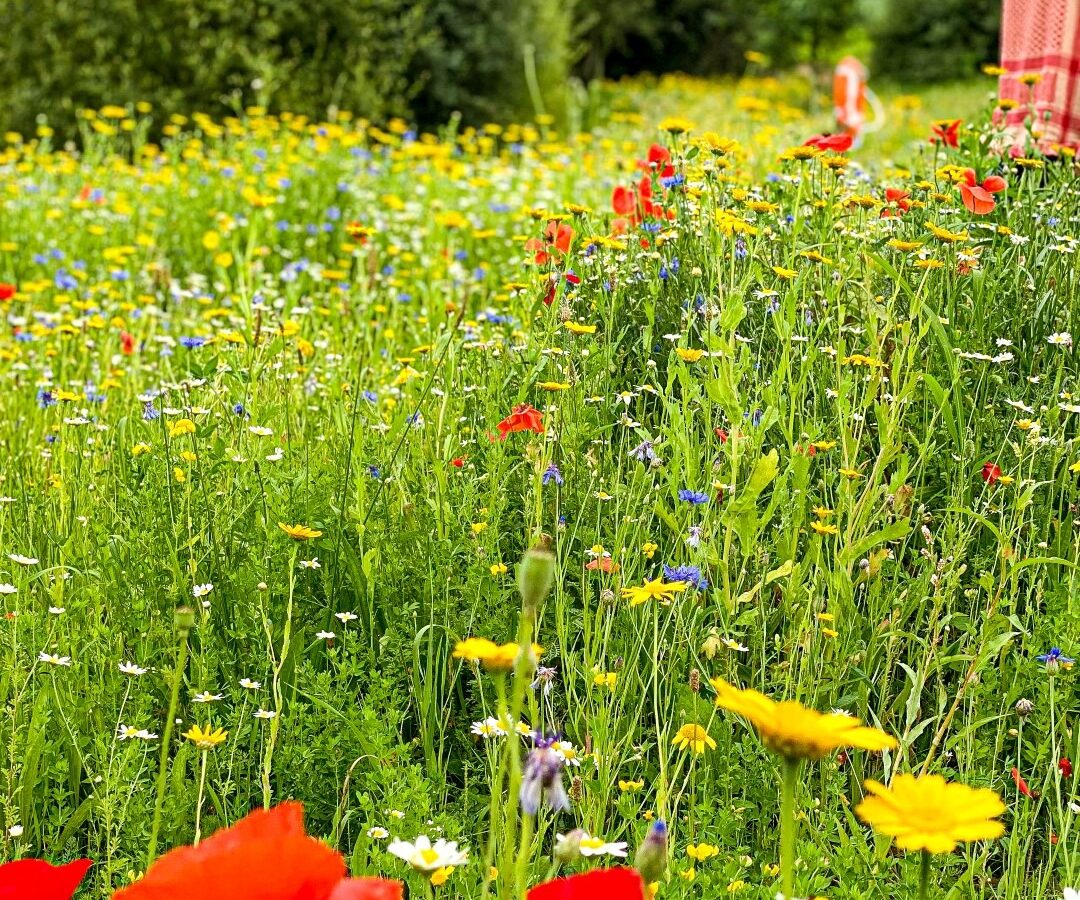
(690, 574)
(46, 399)
(644, 452)
(192, 343)
(373, 472)
(238, 408)
(1055, 660)
(695, 497)
(150, 412)
(370, 396)
(551, 473)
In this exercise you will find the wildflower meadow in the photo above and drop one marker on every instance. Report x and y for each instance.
(677, 501)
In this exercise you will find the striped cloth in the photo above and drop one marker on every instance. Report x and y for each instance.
(1042, 37)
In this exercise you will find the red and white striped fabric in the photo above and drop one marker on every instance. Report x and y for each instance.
(1042, 37)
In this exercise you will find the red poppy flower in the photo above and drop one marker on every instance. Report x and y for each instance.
(977, 197)
(1066, 767)
(603, 563)
(556, 242)
(264, 856)
(600, 884)
(896, 202)
(834, 143)
(722, 434)
(1021, 785)
(7, 291)
(522, 418)
(991, 472)
(36, 878)
(127, 343)
(946, 132)
(659, 161)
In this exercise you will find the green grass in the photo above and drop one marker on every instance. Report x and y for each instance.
(354, 384)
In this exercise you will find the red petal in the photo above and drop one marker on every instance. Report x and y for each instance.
(977, 200)
(969, 177)
(266, 854)
(658, 154)
(600, 884)
(367, 889)
(34, 878)
(994, 184)
(622, 201)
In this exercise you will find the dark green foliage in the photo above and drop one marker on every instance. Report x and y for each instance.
(427, 59)
(922, 42)
(377, 58)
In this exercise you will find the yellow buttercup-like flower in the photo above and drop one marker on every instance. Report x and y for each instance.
(695, 738)
(794, 732)
(498, 657)
(657, 589)
(206, 738)
(299, 532)
(931, 814)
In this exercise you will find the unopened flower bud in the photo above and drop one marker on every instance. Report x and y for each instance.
(651, 858)
(184, 620)
(1024, 707)
(536, 572)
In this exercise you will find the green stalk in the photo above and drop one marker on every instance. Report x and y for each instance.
(166, 735)
(924, 875)
(787, 827)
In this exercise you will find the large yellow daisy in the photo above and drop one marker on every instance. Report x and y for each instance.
(932, 814)
(794, 732)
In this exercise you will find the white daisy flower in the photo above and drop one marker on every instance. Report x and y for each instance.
(424, 856)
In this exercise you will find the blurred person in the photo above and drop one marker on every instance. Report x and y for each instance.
(1040, 71)
(852, 97)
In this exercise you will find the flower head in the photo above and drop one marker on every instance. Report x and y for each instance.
(657, 589)
(299, 532)
(695, 738)
(542, 779)
(497, 657)
(1055, 660)
(521, 418)
(40, 880)
(264, 856)
(206, 738)
(792, 731)
(427, 857)
(929, 813)
(600, 884)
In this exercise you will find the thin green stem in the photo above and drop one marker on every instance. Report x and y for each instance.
(787, 827)
(199, 802)
(166, 735)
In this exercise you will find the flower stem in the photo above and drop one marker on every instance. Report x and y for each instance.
(166, 735)
(199, 802)
(924, 875)
(787, 827)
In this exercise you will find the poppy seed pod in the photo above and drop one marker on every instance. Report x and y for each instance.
(536, 572)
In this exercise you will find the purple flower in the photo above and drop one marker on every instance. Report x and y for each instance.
(542, 780)
(643, 452)
(697, 498)
(551, 473)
